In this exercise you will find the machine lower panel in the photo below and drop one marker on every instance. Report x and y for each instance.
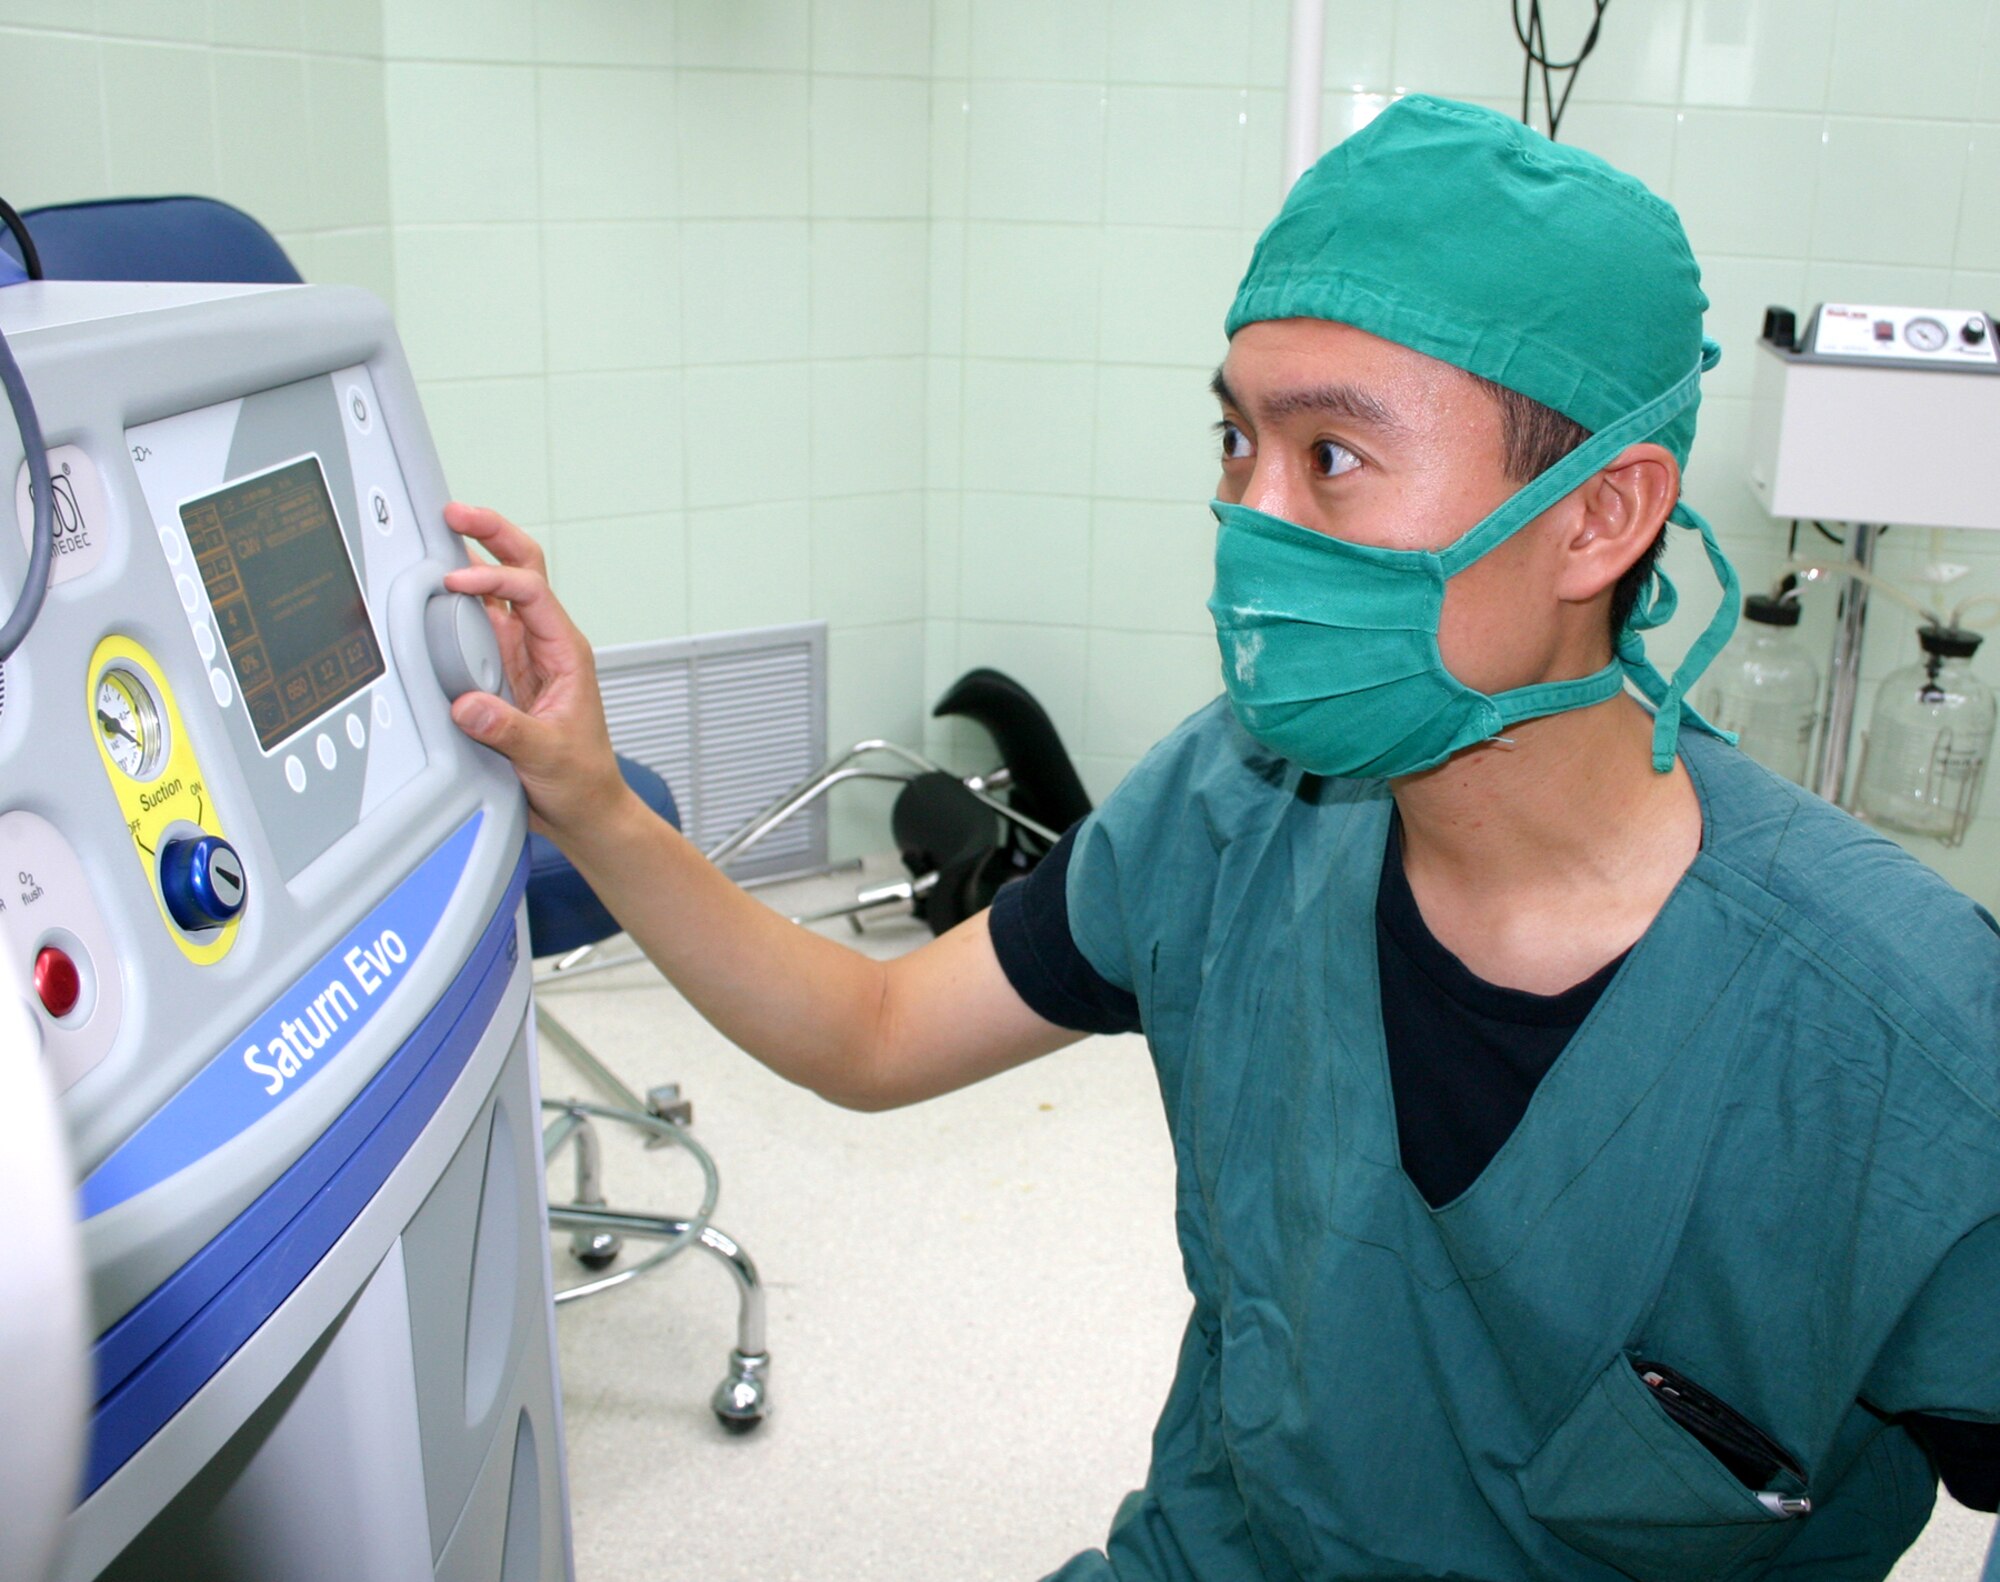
(421, 1437)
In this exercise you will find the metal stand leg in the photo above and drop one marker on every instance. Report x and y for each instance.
(742, 1400)
(1844, 685)
(576, 1054)
(663, 1102)
(592, 1249)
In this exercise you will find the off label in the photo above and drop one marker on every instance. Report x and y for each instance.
(78, 508)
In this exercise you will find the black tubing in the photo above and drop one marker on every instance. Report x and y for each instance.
(43, 552)
(31, 259)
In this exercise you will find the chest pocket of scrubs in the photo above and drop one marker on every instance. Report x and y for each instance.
(1621, 1481)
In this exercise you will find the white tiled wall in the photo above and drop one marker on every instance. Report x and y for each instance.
(900, 312)
(1100, 170)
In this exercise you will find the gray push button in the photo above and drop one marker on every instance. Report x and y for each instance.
(462, 649)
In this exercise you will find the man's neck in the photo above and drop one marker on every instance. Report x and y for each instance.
(1537, 863)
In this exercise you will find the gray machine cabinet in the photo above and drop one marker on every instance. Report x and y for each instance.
(307, 1137)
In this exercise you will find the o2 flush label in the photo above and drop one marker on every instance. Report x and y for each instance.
(296, 1038)
(80, 512)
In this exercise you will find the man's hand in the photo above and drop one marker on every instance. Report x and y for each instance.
(554, 732)
(867, 1034)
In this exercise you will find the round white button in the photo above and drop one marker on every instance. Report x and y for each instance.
(204, 639)
(378, 512)
(218, 683)
(355, 733)
(190, 595)
(170, 541)
(381, 712)
(358, 410)
(295, 772)
(324, 746)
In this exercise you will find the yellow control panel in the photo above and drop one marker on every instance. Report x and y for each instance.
(154, 774)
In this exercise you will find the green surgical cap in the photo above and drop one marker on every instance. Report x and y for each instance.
(1465, 235)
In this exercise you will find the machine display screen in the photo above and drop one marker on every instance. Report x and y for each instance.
(288, 608)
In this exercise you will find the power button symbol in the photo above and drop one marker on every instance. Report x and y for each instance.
(358, 409)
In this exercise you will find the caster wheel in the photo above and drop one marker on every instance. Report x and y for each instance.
(596, 1252)
(742, 1401)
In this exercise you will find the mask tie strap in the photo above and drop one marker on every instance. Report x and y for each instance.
(1558, 697)
(1669, 698)
(1589, 458)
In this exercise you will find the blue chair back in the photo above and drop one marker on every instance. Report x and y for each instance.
(155, 239)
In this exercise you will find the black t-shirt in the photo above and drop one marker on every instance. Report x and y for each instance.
(1465, 1057)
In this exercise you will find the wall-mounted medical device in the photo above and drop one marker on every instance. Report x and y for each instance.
(268, 901)
(1873, 416)
(1878, 414)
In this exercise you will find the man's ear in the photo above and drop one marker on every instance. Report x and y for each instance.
(1616, 516)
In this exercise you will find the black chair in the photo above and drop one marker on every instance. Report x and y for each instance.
(961, 836)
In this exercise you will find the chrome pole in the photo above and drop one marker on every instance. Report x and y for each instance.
(1844, 668)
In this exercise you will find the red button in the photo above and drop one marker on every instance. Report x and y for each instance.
(57, 982)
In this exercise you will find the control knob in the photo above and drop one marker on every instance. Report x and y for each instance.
(201, 880)
(460, 640)
(1974, 331)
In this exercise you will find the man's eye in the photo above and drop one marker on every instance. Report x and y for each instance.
(1331, 460)
(1235, 443)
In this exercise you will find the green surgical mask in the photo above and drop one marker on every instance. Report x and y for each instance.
(1330, 649)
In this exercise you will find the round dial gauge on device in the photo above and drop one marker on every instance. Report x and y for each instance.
(1926, 335)
(130, 722)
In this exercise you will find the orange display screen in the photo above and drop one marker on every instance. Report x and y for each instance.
(288, 607)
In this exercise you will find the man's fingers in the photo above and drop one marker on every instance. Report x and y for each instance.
(533, 604)
(507, 543)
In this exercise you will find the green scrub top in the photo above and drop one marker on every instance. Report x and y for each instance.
(1769, 1160)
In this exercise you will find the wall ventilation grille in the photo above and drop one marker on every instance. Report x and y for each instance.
(732, 721)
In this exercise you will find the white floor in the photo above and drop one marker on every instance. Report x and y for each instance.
(974, 1311)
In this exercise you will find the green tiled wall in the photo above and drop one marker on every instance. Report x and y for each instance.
(900, 312)
(662, 272)
(274, 105)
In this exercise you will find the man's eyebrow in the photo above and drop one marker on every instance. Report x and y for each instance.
(1332, 400)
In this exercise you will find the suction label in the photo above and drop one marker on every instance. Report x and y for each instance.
(296, 1038)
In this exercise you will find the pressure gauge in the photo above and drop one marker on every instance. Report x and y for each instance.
(130, 722)
(1925, 335)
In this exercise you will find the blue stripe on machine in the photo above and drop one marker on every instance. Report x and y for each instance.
(296, 1037)
(154, 1359)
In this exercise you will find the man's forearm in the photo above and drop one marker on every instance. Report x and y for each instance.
(810, 1009)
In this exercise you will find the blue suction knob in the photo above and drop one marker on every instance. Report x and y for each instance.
(201, 880)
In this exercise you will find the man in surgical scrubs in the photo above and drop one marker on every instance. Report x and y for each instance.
(1588, 1143)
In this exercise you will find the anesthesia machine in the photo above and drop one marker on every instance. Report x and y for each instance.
(268, 903)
